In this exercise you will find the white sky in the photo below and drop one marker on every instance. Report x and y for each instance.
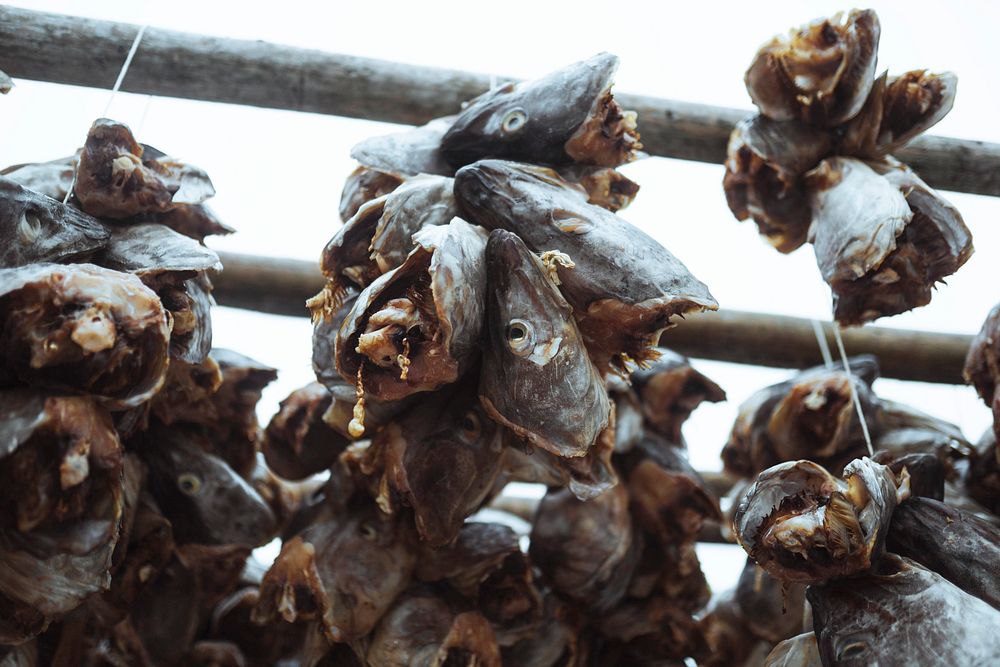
(278, 174)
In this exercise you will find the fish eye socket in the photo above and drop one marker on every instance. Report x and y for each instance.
(189, 483)
(471, 426)
(852, 650)
(513, 121)
(368, 531)
(520, 337)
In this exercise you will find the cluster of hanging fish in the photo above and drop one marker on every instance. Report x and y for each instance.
(910, 534)
(815, 165)
(483, 320)
(131, 489)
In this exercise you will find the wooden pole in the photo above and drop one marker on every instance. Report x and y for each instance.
(89, 52)
(281, 287)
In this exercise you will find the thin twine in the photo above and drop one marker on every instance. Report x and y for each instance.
(824, 347)
(114, 91)
(854, 393)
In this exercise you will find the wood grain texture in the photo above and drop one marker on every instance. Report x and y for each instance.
(281, 286)
(89, 52)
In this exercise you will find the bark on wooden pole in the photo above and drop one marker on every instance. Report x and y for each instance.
(89, 52)
(281, 286)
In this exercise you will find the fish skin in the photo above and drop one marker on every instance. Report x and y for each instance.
(37, 228)
(624, 286)
(959, 546)
(798, 651)
(551, 110)
(546, 372)
(902, 614)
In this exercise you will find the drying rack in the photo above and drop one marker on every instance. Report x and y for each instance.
(80, 51)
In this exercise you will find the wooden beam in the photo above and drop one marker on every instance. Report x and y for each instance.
(89, 52)
(281, 286)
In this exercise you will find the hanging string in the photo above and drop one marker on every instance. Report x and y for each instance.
(854, 393)
(145, 112)
(824, 347)
(124, 70)
(114, 91)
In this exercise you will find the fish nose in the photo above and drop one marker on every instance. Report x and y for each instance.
(504, 248)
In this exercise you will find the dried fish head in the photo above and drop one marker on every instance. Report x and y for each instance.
(206, 501)
(441, 458)
(119, 178)
(669, 389)
(802, 524)
(914, 102)
(61, 496)
(765, 162)
(297, 442)
(535, 363)
(37, 228)
(816, 417)
(6, 83)
(417, 327)
(820, 73)
(423, 201)
(931, 618)
(425, 627)
(586, 550)
(883, 238)
(624, 286)
(363, 185)
(344, 572)
(730, 641)
(567, 116)
(669, 499)
(83, 328)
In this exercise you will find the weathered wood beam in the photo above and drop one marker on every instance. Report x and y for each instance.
(281, 286)
(90, 52)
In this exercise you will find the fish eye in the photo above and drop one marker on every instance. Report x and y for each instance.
(520, 337)
(852, 650)
(471, 426)
(189, 483)
(513, 121)
(368, 531)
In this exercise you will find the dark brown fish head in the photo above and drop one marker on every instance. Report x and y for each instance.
(566, 116)
(537, 379)
(802, 524)
(441, 458)
(203, 497)
(902, 614)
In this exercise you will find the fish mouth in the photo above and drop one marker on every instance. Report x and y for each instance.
(802, 524)
(608, 136)
(504, 251)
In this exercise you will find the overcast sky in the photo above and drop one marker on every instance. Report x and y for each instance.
(279, 174)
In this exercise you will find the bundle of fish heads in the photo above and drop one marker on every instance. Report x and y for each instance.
(909, 533)
(488, 318)
(815, 164)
